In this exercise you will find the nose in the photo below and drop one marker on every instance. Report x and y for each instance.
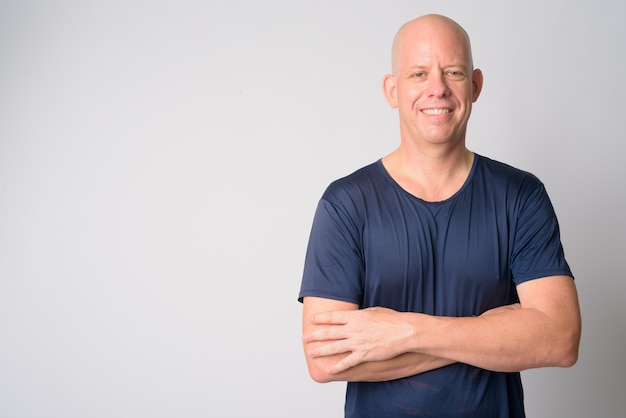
(437, 85)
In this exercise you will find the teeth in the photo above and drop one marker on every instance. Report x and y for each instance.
(436, 111)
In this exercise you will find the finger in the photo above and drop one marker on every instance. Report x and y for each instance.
(325, 333)
(328, 349)
(333, 318)
(354, 359)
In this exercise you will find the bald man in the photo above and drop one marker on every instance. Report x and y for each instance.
(434, 275)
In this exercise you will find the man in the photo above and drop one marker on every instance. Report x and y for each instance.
(435, 275)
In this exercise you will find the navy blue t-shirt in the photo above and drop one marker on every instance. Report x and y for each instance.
(374, 244)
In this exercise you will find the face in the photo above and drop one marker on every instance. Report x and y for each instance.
(433, 84)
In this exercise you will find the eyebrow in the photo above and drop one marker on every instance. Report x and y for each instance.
(414, 68)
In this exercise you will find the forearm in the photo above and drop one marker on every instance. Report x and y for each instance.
(327, 367)
(404, 365)
(507, 341)
(543, 330)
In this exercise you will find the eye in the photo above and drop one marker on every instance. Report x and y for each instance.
(455, 74)
(418, 75)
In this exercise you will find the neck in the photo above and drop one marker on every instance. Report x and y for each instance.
(432, 174)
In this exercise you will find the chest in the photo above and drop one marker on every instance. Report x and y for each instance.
(448, 259)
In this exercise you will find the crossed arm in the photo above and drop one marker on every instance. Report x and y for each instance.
(343, 343)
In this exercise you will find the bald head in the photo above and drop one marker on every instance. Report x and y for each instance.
(430, 26)
(434, 83)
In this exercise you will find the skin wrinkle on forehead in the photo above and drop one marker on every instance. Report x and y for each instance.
(428, 22)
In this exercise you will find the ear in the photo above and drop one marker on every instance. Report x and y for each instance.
(390, 90)
(477, 84)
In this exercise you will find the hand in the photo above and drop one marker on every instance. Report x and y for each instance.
(373, 334)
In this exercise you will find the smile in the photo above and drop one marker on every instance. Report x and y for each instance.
(435, 112)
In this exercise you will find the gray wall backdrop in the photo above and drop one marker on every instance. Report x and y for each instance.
(160, 163)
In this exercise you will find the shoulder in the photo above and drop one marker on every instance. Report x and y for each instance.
(356, 185)
(523, 194)
(500, 174)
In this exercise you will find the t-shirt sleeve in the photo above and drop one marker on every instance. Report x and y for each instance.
(537, 249)
(333, 266)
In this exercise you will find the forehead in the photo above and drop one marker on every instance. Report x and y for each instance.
(432, 44)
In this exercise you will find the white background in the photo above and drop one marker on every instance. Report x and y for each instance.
(160, 163)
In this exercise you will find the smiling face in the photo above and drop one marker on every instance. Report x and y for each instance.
(433, 84)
